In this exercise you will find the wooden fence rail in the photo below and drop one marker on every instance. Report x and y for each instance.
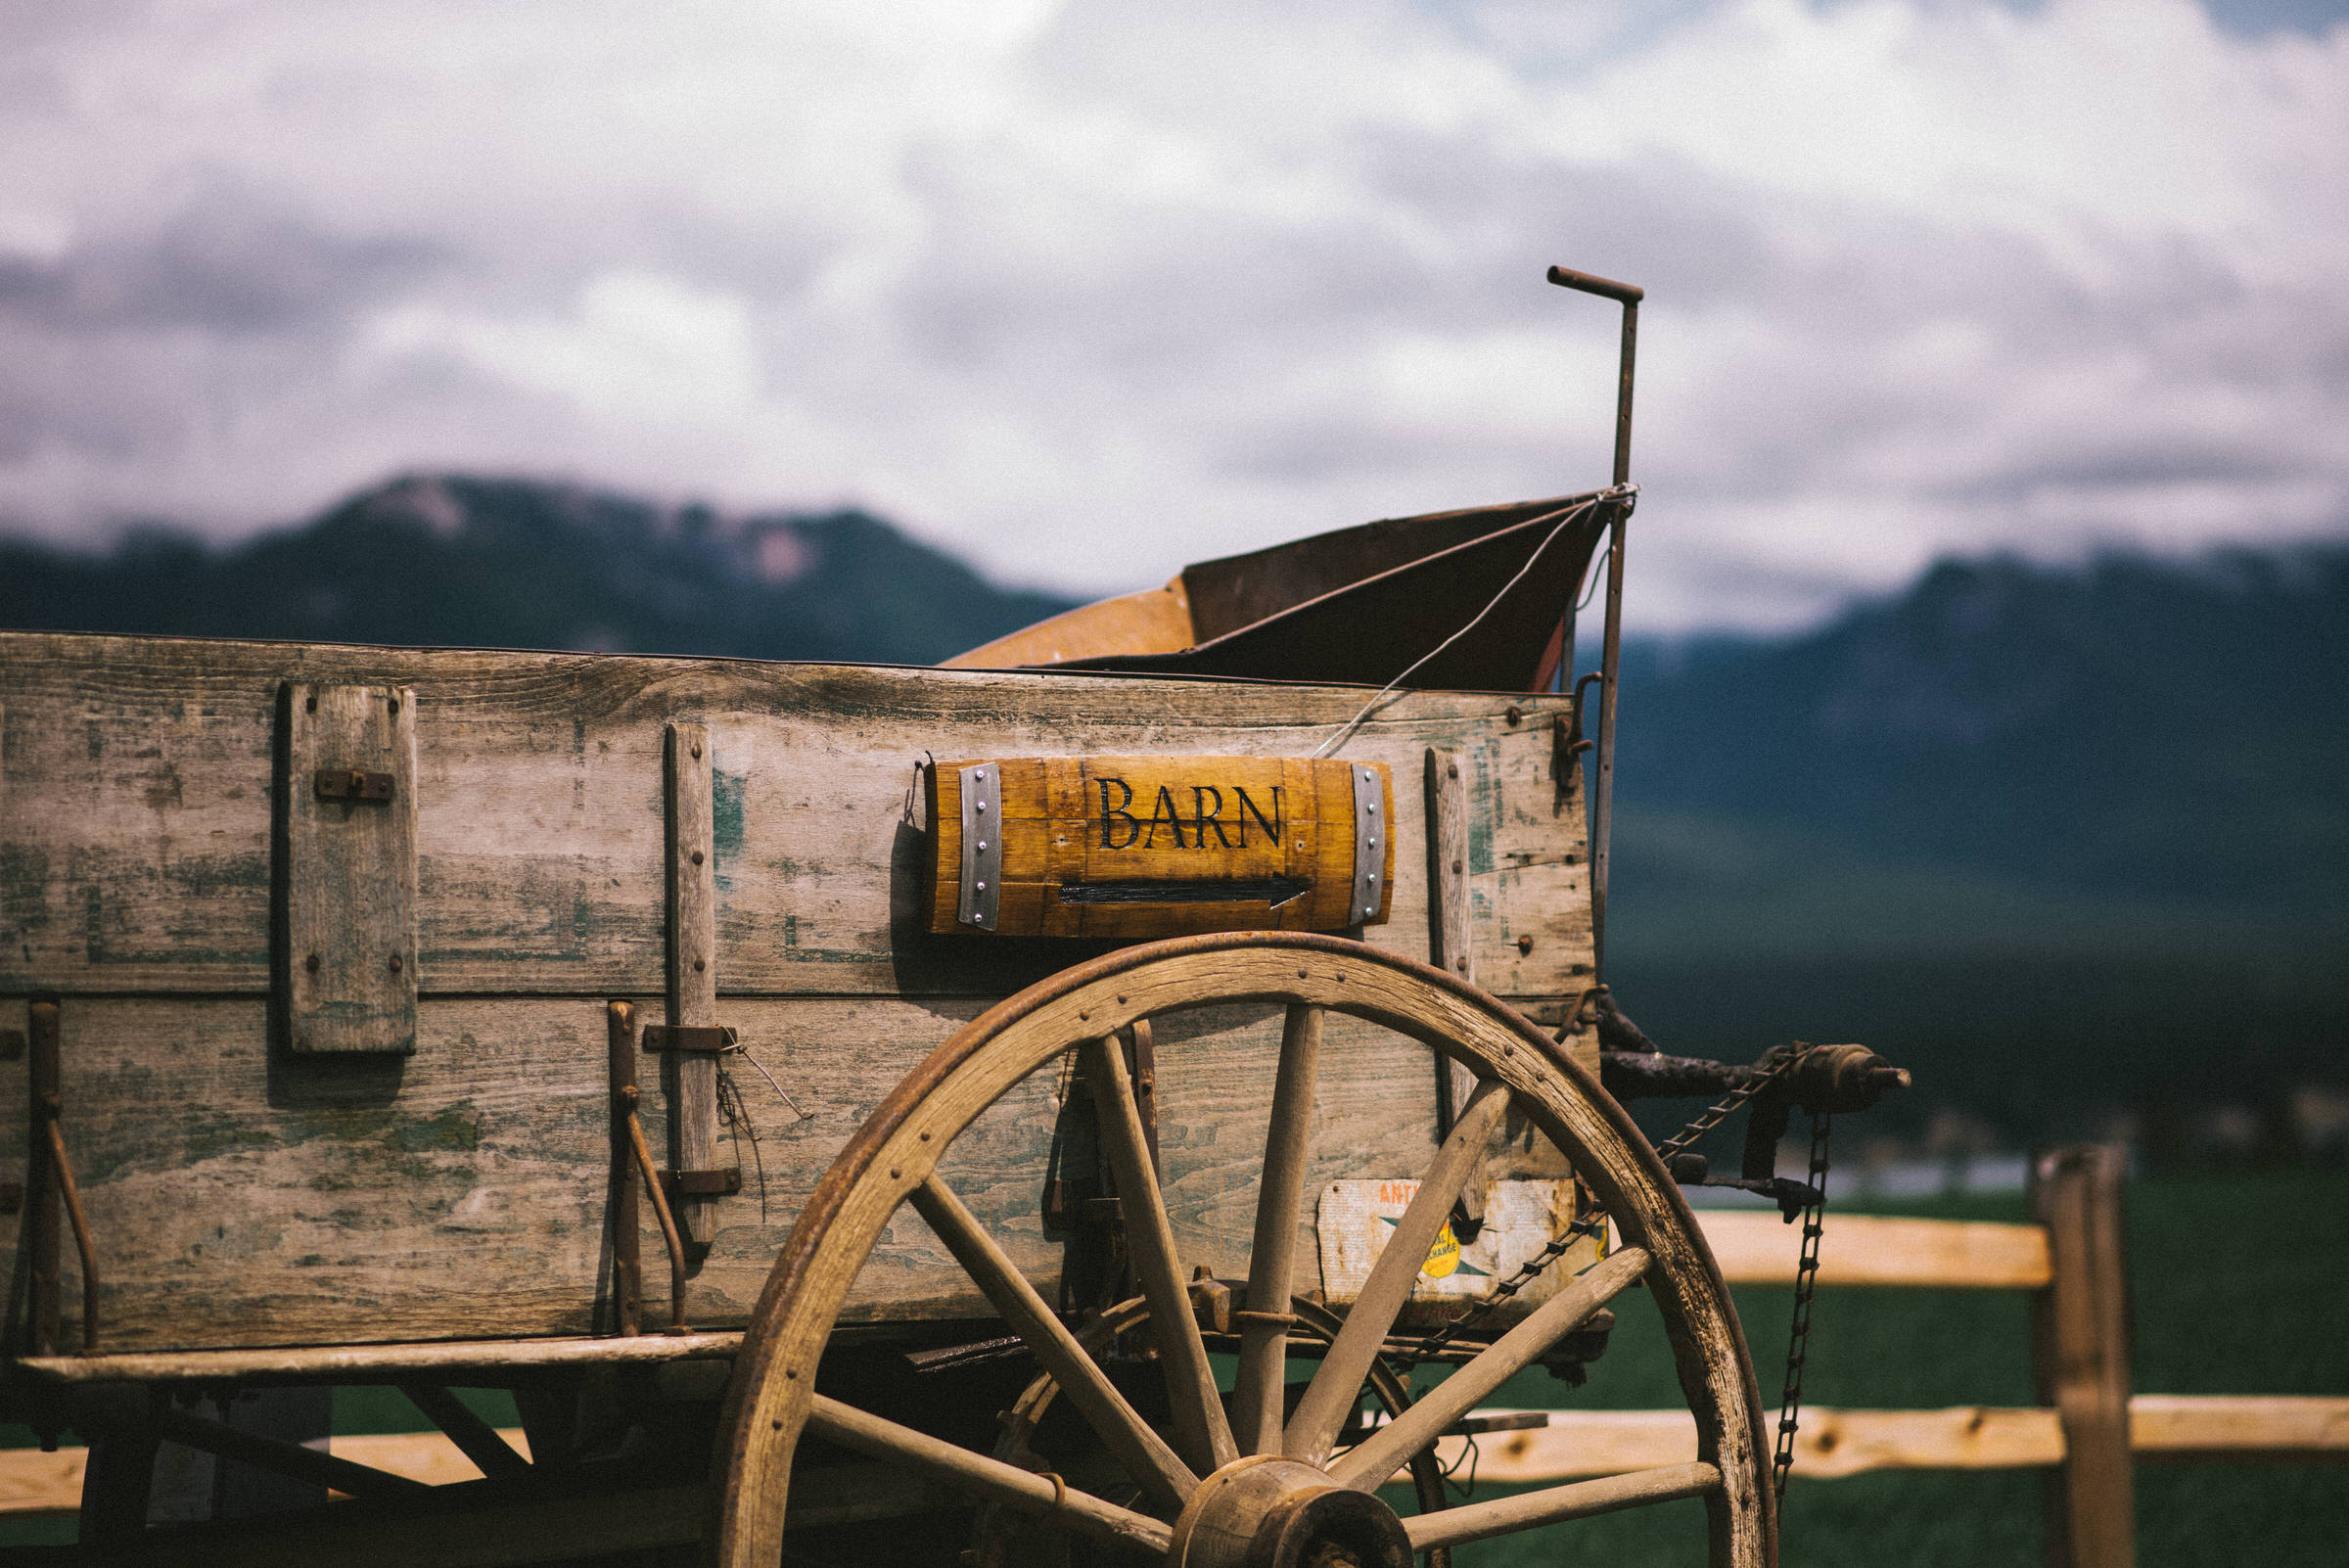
(2087, 1430)
(2087, 1433)
(1836, 1442)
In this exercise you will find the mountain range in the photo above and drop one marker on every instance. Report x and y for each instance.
(460, 561)
(2073, 840)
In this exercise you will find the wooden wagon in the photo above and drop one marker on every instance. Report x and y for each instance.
(979, 1112)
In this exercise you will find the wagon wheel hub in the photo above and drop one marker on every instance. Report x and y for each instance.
(1265, 1512)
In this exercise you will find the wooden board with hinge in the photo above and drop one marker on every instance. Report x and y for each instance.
(1163, 845)
(348, 867)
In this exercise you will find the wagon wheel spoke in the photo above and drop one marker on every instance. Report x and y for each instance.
(1256, 1394)
(1369, 1465)
(990, 1479)
(1121, 1428)
(1202, 1432)
(1451, 1526)
(1314, 1427)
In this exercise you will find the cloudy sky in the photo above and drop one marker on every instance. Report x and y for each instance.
(1089, 290)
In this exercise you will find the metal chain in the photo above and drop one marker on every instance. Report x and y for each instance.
(1729, 1102)
(1557, 1246)
(1805, 1285)
(1524, 1276)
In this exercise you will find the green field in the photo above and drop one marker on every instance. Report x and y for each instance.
(2236, 1284)
(2238, 1290)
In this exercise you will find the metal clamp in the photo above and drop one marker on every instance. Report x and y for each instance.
(707, 1039)
(721, 1183)
(981, 891)
(352, 784)
(1369, 857)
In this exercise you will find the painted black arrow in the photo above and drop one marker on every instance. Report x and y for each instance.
(1273, 890)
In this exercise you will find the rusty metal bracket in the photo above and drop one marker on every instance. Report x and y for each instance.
(710, 1039)
(720, 1184)
(631, 1160)
(352, 784)
(49, 1184)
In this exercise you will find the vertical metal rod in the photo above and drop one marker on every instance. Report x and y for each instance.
(668, 1223)
(1602, 798)
(1623, 390)
(627, 1248)
(43, 1203)
(63, 1166)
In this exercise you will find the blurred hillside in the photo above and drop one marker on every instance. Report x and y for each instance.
(446, 559)
(2074, 842)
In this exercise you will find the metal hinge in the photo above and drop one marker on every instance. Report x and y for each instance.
(982, 892)
(1369, 854)
(351, 784)
(706, 1038)
(721, 1183)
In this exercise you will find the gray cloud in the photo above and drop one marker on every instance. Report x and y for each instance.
(1089, 290)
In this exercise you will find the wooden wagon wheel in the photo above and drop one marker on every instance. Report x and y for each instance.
(999, 1536)
(1243, 1488)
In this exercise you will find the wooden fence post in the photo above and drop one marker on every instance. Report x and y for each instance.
(2080, 1355)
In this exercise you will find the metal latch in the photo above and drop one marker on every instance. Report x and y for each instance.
(722, 1183)
(710, 1039)
(352, 784)
(981, 891)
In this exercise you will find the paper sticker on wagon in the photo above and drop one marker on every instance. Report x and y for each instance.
(1135, 847)
(1354, 1219)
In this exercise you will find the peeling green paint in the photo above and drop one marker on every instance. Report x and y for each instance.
(456, 1129)
(226, 1137)
(726, 824)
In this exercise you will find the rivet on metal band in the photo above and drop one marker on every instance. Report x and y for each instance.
(982, 845)
(1369, 860)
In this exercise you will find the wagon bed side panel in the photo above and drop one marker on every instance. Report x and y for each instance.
(241, 1195)
(136, 847)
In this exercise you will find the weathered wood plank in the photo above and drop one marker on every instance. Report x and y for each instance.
(1754, 1247)
(1834, 1443)
(1527, 861)
(240, 1197)
(2283, 1428)
(349, 876)
(691, 1077)
(2080, 1355)
(135, 853)
(1450, 926)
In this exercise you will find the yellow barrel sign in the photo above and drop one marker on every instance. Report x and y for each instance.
(1159, 845)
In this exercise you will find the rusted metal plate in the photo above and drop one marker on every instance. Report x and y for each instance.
(1132, 846)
